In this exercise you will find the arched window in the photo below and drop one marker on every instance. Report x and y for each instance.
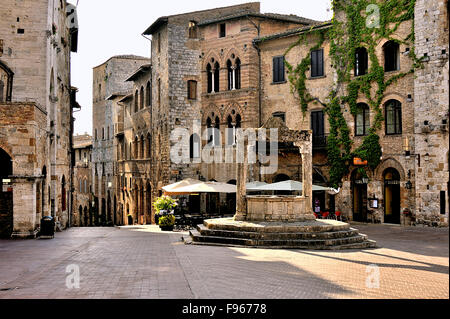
(230, 75)
(210, 78)
(85, 185)
(210, 130)
(142, 155)
(361, 61)
(142, 98)
(217, 132)
(237, 74)
(362, 119)
(149, 145)
(148, 94)
(194, 146)
(2, 88)
(136, 148)
(233, 123)
(216, 77)
(391, 51)
(80, 186)
(393, 117)
(136, 101)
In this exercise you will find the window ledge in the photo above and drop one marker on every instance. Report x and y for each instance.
(317, 77)
(276, 83)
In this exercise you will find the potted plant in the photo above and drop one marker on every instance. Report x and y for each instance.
(164, 206)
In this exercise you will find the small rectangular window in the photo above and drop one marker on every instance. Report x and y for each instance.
(278, 69)
(443, 208)
(192, 30)
(222, 31)
(317, 63)
(192, 90)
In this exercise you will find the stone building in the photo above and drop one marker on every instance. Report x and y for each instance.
(108, 79)
(205, 71)
(82, 177)
(229, 68)
(36, 102)
(413, 171)
(134, 147)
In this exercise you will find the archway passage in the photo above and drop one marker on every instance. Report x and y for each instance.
(6, 196)
(359, 190)
(391, 196)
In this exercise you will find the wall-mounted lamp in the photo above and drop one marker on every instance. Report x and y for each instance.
(427, 157)
(406, 147)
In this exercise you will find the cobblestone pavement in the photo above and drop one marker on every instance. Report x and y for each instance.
(144, 262)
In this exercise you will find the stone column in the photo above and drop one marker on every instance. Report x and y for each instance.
(241, 191)
(306, 153)
(24, 208)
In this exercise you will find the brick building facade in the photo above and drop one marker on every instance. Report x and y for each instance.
(36, 102)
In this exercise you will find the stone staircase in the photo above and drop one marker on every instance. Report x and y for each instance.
(315, 235)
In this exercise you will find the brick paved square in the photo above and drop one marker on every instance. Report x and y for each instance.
(149, 264)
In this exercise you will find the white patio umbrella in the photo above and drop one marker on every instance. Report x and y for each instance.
(206, 187)
(253, 186)
(172, 188)
(289, 186)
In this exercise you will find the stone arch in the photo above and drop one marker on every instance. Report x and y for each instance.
(208, 57)
(393, 96)
(228, 110)
(229, 55)
(7, 150)
(280, 171)
(389, 163)
(207, 112)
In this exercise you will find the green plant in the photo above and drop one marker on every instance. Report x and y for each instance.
(166, 220)
(346, 35)
(164, 203)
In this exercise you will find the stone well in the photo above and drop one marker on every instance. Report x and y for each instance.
(279, 221)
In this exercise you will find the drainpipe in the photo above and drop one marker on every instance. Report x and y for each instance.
(258, 49)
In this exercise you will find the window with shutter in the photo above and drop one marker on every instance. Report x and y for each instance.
(192, 90)
(317, 63)
(278, 69)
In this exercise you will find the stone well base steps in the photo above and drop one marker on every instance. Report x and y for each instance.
(315, 235)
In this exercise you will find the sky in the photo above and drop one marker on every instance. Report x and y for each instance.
(113, 27)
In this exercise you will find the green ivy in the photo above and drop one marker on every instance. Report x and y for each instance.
(345, 39)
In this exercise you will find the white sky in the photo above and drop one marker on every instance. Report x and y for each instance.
(112, 27)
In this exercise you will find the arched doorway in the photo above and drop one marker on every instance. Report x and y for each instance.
(6, 195)
(148, 209)
(85, 216)
(391, 196)
(115, 211)
(359, 191)
(103, 215)
(44, 174)
(108, 210)
(80, 212)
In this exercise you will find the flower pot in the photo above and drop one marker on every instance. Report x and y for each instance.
(166, 228)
